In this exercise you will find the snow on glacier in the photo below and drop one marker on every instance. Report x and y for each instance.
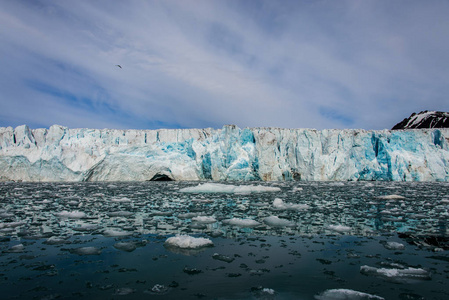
(270, 154)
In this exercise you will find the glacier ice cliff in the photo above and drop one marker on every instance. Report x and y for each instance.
(64, 154)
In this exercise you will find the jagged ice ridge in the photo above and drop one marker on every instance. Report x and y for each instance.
(230, 153)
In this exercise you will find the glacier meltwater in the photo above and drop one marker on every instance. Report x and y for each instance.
(230, 153)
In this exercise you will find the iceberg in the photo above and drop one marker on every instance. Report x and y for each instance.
(227, 154)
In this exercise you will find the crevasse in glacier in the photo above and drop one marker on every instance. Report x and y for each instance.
(63, 154)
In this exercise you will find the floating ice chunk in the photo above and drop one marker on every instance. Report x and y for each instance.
(397, 275)
(120, 214)
(248, 223)
(116, 233)
(126, 246)
(297, 189)
(279, 204)
(263, 293)
(204, 219)
(124, 291)
(275, 221)
(16, 249)
(188, 242)
(187, 215)
(346, 294)
(339, 228)
(71, 214)
(86, 251)
(394, 246)
(222, 257)
(56, 240)
(158, 289)
(87, 227)
(391, 197)
(121, 200)
(11, 224)
(228, 189)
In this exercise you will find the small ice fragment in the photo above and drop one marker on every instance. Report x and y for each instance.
(204, 219)
(56, 240)
(16, 249)
(121, 200)
(158, 289)
(86, 251)
(342, 294)
(71, 214)
(116, 233)
(275, 221)
(396, 275)
(279, 204)
(187, 215)
(391, 197)
(339, 228)
(120, 214)
(126, 246)
(124, 291)
(394, 246)
(188, 242)
(228, 189)
(222, 257)
(247, 223)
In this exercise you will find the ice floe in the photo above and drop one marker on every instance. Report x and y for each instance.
(396, 274)
(346, 294)
(188, 242)
(248, 223)
(229, 189)
(275, 221)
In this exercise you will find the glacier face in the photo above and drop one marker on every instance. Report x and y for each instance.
(230, 153)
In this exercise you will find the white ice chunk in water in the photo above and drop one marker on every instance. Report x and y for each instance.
(204, 219)
(188, 242)
(87, 251)
(391, 197)
(229, 189)
(275, 221)
(339, 228)
(394, 246)
(346, 294)
(116, 233)
(248, 223)
(279, 204)
(71, 214)
(396, 275)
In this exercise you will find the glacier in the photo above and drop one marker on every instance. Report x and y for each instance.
(227, 154)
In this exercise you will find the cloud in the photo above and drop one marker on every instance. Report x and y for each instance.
(317, 64)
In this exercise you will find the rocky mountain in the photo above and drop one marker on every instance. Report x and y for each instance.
(425, 119)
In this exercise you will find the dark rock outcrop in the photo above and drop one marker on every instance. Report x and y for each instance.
(425, 119)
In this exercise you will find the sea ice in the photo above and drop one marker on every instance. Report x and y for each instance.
(71, 214)
(279, 204)
(396, 275)
(391, 197)
(275, 221)
(346, 294)
(228, 189)
(248, 223)
(204, 219)
(86, 251)
(188, 242)
(116, 233)
(394, 246)
(339, 228)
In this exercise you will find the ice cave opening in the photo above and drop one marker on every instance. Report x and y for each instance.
(161, 177)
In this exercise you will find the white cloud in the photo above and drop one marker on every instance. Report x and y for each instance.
(208, 63)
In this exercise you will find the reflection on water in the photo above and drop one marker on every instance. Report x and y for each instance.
(105, 240)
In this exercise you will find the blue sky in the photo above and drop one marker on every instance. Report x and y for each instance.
(194, 64)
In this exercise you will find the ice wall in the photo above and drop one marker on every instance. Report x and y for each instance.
(230, 153)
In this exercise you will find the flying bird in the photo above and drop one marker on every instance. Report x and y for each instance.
(119, 66)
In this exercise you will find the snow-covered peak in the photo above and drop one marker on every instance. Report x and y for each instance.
(425, 119)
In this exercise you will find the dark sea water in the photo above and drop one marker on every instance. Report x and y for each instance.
(106, 241)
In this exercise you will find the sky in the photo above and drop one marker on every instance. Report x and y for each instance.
(197, 64)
